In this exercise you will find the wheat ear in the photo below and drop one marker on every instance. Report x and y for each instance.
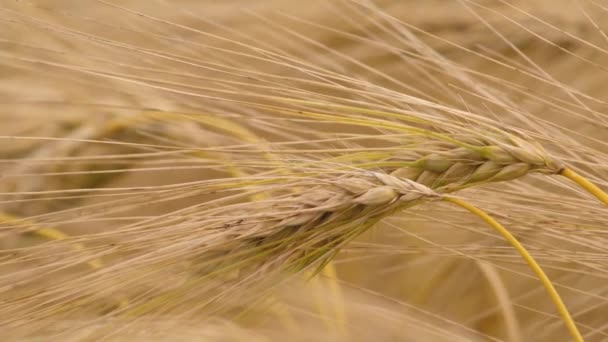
(302, 230)
(492, 156)
(447, 167)
(501, 159)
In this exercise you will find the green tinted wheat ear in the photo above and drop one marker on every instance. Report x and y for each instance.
(449, 161)
(448, 167)
(450, 155)
(452, 161)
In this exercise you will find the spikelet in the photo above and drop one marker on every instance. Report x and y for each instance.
(450, 168)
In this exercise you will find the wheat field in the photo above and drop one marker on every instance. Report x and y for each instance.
(349, 170)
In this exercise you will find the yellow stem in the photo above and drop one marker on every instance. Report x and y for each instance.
(585, 184)
(555, 297)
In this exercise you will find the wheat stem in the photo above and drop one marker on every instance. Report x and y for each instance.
(585, 184)
(553, 294)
